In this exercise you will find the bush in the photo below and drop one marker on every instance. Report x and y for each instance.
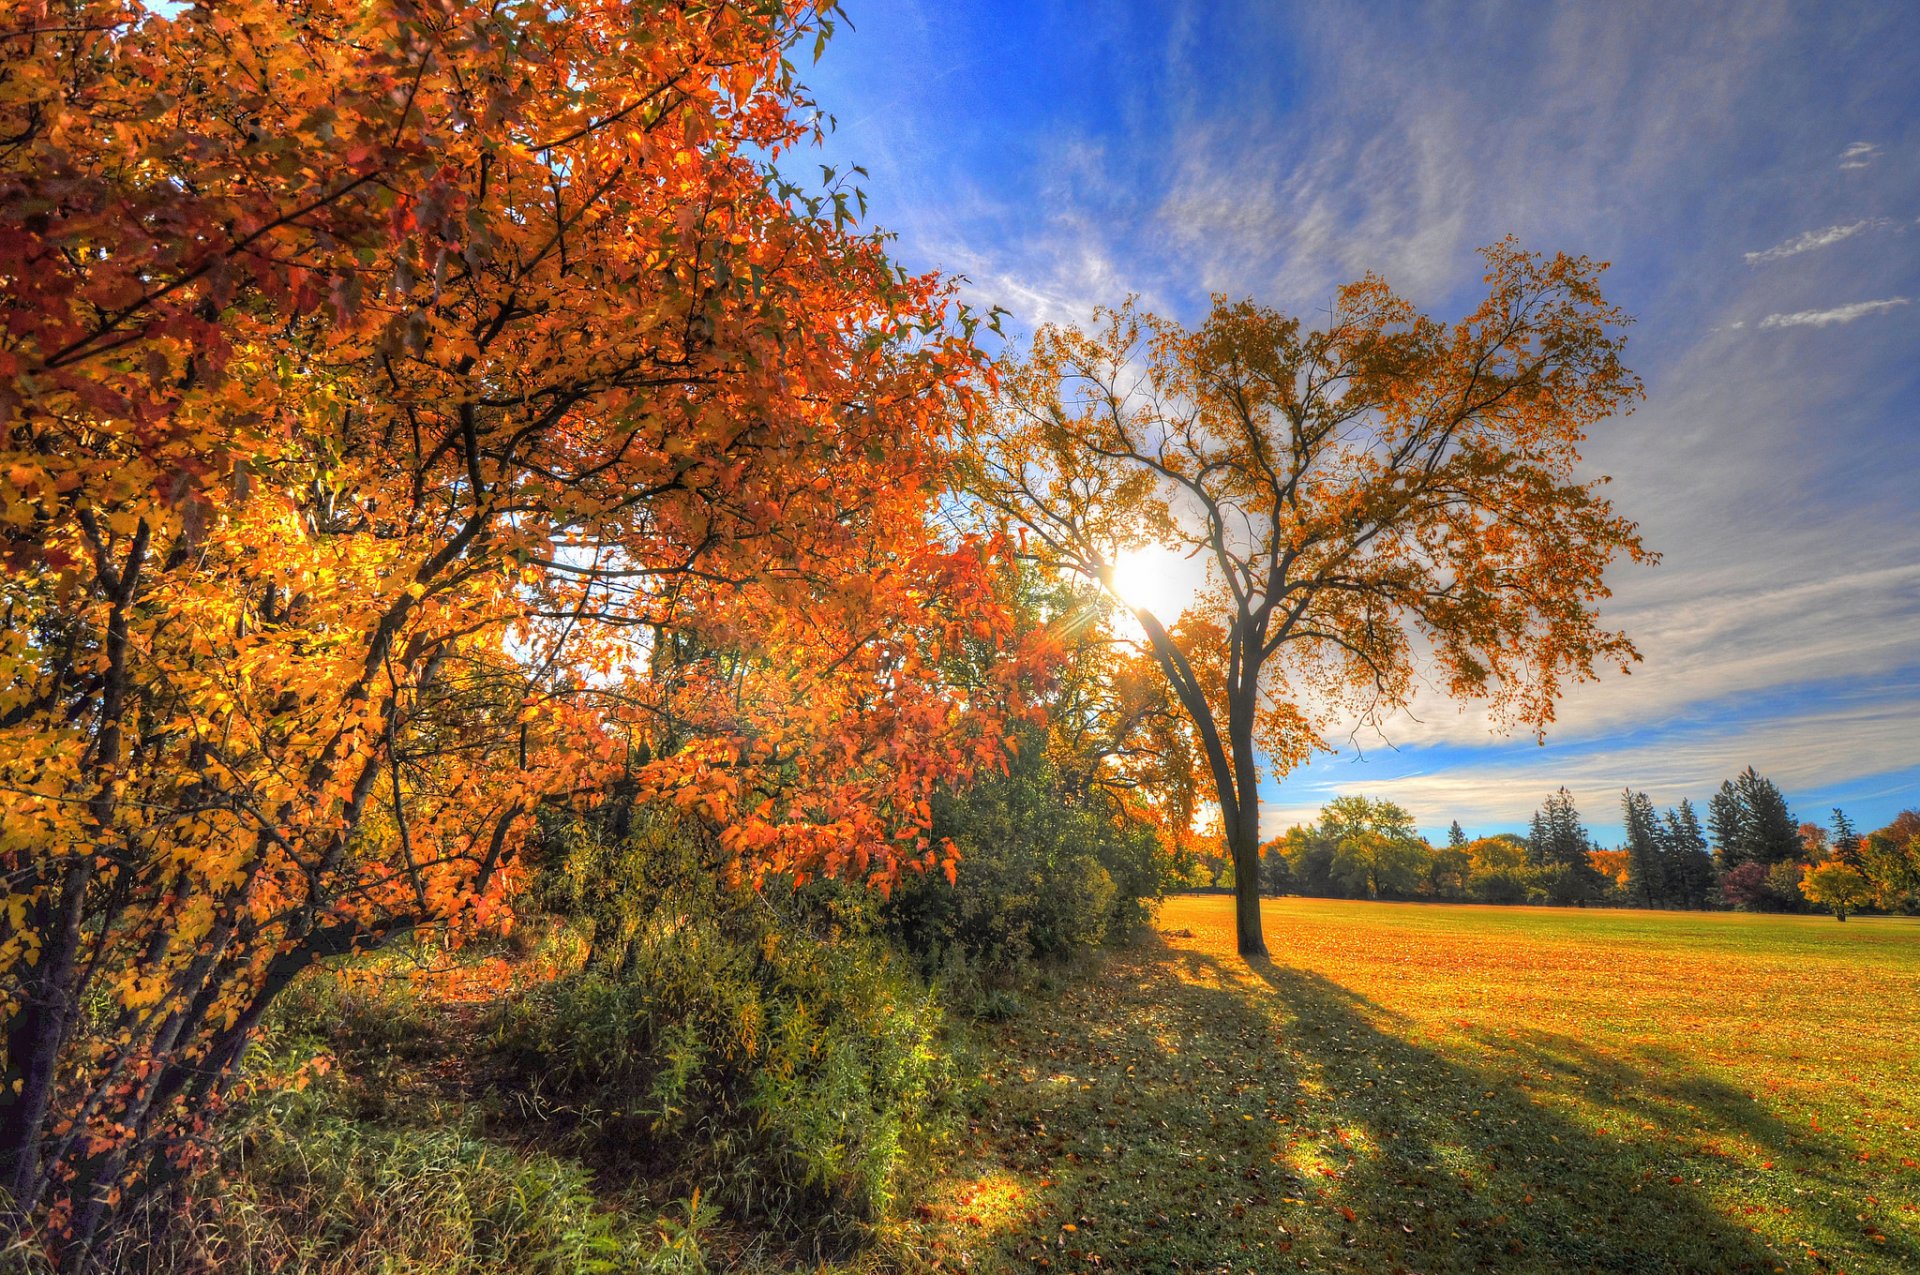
(1042, 874)
(763, 1048)
(1751, 888)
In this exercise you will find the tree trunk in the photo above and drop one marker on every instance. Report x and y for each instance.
(1244, 844)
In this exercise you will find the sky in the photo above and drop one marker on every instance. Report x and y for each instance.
(1752, 171)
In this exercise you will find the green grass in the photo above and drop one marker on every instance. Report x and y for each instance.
(1431, 1089)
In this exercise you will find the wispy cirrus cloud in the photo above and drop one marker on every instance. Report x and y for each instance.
(1838, 314)
(1825, 237)
(1859, 155)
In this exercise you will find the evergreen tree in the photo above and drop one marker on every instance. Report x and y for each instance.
(1688, 866)
(1729, 824)
(1558, 840)
(1846, 839)
(1772, 832)
(1457, 836)
(1646, 867)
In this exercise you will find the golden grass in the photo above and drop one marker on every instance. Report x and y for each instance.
(1429, 1088)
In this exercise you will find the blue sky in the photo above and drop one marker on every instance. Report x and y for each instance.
(1752, 171)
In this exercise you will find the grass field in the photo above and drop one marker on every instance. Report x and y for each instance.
(1431, 1089)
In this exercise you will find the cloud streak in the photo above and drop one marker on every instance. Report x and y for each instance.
(1813, 239)
(1859, 155)
(1838, 314)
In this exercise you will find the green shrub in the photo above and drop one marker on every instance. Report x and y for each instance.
(764, 1048)
(1042, 874)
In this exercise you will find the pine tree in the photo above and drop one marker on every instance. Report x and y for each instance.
(1728, 820)
(1846, 839)
(1646, 868)
(1457, 836)
(1773, 833)
(1558, 840)
(1689, 868)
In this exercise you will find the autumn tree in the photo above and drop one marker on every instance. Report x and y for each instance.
(1375, 848)
(1499, 871)
(413, 416)
(1836, 886)
(1890, 859)
(1382, 494)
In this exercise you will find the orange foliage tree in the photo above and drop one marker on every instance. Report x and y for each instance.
(414, 414)
(1380, 494)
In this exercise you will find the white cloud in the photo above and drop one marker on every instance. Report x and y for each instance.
(1852, 740)
(1813, 239)
(1859, 155)
(1839, 314)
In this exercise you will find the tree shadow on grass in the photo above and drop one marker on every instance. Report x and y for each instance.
(1734, 1141)
(1172, 1116)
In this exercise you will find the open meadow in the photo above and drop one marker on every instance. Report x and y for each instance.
(1452, 1088)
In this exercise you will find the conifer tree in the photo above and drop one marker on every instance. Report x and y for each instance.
(1557, 839)
(1772, 833)
(1646, 867)
(1846, 839)
(1728, 821)
(1689, 868)
(1457, 836)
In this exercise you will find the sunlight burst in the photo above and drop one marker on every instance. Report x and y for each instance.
(1154, 578)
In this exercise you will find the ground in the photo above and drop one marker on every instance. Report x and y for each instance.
(1427, 1088)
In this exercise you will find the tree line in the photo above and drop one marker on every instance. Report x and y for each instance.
(1751, 854)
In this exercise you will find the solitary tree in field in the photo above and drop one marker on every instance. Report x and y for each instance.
(1839, 887)
(1375, 496)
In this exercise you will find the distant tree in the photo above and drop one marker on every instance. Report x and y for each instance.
(1613, 867)
(1457, 836)
(1689, 867)
(1771, 831)
(1338, 856)
(1892, 867)
(1375, 865)
(1729, 825)
(1846, 839)
(1308, 855)
(1646, 863)
(1813, 842)
(1747, 889)
(1448, 869)
(1559, 840)
(1499, 871)
(1904, 828)
(1783, 882)
(1752, 824)
(1839, 887)
(1276, 874)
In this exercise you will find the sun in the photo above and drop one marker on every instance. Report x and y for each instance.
(1154, 578)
